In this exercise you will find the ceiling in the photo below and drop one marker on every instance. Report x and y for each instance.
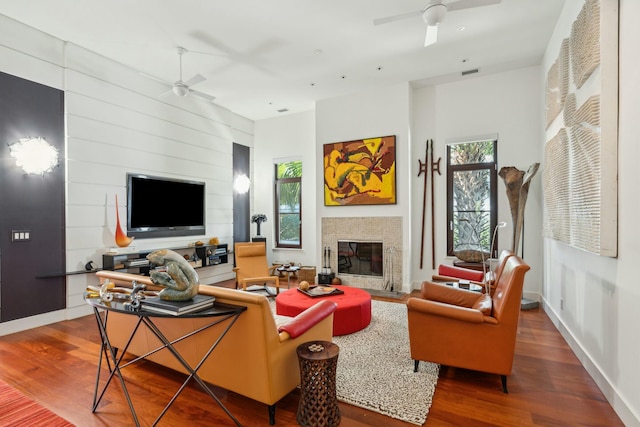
(260, 56)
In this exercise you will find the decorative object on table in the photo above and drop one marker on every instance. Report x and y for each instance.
(304, 285)
(137, 294)
(424, 167)
(336, 281)
(122, 240)
(320, 291)
(179, 279)
(214, 241)
(176, 308)
(360, 172)
(258, 219)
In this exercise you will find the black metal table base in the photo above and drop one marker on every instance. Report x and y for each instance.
(114, 358)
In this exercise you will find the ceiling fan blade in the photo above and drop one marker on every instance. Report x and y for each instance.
(431, 36)
(166, 93)
(468, 4)
(201, 95)
(198, 78)
(394, 18)
(149, 76)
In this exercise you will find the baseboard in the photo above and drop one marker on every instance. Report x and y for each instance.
(608, 390)
(30, 322)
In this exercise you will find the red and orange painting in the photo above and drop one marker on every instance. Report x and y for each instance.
(361, 172)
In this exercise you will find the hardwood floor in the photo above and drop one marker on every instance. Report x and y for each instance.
(56, 365)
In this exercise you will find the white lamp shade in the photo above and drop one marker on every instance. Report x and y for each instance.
(34, 155)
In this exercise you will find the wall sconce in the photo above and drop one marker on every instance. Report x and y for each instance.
(34, 155)
(241, 184)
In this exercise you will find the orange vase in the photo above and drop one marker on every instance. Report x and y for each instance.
(122, 240)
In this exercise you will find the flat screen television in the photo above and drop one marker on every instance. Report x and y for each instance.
(164, 207)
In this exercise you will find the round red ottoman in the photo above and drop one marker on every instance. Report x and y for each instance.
(353, 312)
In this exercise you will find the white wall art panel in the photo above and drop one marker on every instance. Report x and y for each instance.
(580, 176)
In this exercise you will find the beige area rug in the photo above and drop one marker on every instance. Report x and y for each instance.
(375, 369)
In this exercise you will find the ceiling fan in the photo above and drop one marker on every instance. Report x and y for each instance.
(182, 88)
(434, 13)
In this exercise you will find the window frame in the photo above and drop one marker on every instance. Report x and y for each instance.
(492, 167)
(277, 183)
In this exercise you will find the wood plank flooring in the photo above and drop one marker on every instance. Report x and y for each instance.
(56, 365)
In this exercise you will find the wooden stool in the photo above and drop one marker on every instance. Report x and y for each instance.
(318, 401)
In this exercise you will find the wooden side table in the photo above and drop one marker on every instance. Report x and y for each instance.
(318, 404)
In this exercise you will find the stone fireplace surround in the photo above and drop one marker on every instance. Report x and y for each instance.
(388, 230)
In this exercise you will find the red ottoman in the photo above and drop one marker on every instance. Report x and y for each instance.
(353, 312)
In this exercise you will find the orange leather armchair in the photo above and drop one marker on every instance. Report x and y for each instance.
(252, 268)
(465, 329)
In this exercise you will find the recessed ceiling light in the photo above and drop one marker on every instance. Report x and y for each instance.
(313, 84)
(460, 28)
(318, 51)
(379, 68)
(343, 77)
(464, 60)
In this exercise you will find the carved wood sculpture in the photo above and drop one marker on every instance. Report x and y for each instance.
(517, 183)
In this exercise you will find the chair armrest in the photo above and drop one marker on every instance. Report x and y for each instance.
(460, 272)
(308, 318)
(449, 294)
(454, 312)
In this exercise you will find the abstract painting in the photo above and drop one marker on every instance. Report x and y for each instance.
(360, 172)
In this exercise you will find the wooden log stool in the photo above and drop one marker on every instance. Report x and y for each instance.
(318, 404)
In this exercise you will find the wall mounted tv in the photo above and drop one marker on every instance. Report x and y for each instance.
(164, 207)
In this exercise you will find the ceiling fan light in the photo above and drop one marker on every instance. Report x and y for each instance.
(434, 14)
(181, 90)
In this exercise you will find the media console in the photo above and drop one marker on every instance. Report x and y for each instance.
(137, 263)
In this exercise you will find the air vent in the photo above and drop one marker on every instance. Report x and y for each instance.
(475, 70)
(282, 110)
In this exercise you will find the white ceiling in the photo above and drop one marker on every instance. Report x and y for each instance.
(261, 56)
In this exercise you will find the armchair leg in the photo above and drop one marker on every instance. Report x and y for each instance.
(415, 365)
(272, 414)
(504, 384)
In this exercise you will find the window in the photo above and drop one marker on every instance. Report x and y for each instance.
(471, 195)
(288, 197)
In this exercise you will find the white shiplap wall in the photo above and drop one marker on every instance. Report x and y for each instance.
(116, 123)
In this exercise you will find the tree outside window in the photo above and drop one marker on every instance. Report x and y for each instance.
(288, 198)
(471, 196)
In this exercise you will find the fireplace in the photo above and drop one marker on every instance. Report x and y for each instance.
(384, 232)
(360, 258)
